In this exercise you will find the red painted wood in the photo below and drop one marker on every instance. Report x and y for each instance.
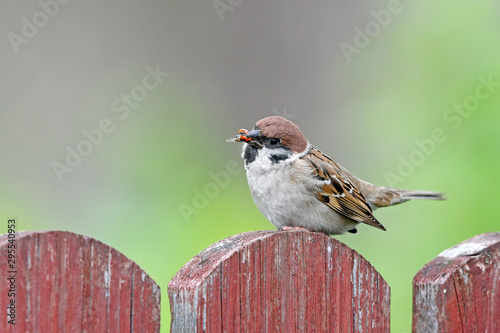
(71, 283)
(273, 281)
(459, 291)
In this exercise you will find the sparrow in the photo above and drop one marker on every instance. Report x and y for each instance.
(298, 187)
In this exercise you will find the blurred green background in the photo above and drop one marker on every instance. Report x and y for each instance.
(367, 110)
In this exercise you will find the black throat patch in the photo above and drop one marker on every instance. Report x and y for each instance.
(249, 154)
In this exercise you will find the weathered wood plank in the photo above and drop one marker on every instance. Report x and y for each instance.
(459, 291)
(71, 283)
(272, 281)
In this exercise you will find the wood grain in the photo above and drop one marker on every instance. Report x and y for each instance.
(273, 281)
(71, 283)
(459, 291)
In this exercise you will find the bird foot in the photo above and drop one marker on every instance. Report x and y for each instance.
(285, 228)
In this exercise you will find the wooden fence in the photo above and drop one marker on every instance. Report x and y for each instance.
(459, 291)
(264, 281)
(64, 282)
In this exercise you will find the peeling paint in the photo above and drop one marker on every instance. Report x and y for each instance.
(464, 249)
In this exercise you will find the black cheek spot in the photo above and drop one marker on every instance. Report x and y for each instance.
(276, 158)
(250, 154)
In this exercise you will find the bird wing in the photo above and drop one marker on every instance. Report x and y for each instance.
(337, 192)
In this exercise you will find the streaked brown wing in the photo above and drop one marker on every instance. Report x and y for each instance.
(338, 193)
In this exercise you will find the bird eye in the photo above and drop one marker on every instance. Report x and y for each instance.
(274, 141)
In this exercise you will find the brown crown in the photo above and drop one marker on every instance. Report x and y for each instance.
(281, 128)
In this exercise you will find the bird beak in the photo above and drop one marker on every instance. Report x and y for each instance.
(251, 137)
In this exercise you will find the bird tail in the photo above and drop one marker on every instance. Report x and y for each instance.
(426, 195)
(392, 196)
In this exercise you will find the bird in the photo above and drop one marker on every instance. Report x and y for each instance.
(298, 187)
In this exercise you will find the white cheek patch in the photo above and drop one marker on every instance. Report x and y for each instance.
(265, 160)
(268, 159)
